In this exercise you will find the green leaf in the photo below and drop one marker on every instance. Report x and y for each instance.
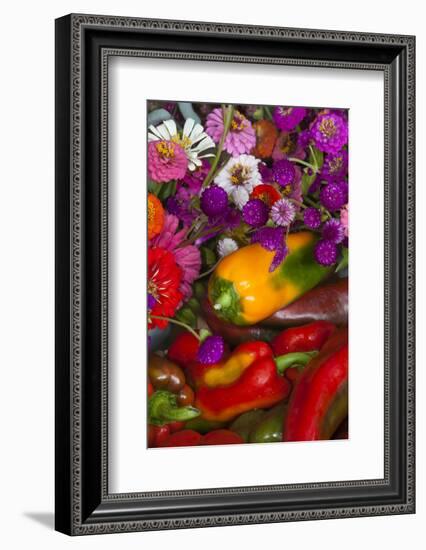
(166, 190)
(208, 257)
(307, 181)
(345, 259)
(187, 316)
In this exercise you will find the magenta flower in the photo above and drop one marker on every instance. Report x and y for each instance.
(330, 132)
(287, 118)
(166, 161)
(325, 252)
(335, 165)
(241, 137)
(187, 257)
(333, 231)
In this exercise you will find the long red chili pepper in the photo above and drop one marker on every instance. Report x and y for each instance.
(319, 402)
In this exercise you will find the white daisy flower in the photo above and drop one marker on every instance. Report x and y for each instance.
(226, 246)
(239, 177)
(193, 140)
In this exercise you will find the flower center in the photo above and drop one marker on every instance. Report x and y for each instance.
(183, 141)
(336, 164)
(238, 123)
(286, 190)
(151, 212)
(288, 144)
(238, 175)
(152, 289)
(327, 127)
(166, 149)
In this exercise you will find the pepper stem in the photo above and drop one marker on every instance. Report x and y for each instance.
(163, 408)
(294, 359)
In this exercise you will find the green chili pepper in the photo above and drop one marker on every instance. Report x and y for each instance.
(163, 408)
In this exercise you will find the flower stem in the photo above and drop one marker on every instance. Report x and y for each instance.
(228, 113)
(311, 149)
(174, 321)
(208, 271)
(304, 163)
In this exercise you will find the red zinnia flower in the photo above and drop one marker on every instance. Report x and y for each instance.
(266, 193)
(164, 277)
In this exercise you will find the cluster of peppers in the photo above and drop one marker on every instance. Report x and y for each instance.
(294, 388)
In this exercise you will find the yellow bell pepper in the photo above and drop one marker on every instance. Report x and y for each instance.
(243, 291)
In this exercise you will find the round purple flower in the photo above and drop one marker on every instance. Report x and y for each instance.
(214, 200)
(287, 118)
(283, 212)
(333, 196)
(304, 138)
(333, 231)
(325, 252)
(335, 165)
(211, 350)
(330, 132)
(272, 239)
(312, 218)
(255, 212)
(284, 172)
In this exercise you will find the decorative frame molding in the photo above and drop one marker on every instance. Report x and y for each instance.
(84, 43)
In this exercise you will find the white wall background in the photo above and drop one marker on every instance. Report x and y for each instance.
(27, 267)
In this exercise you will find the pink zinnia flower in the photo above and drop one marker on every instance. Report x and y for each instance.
(241, 137)
(344, 219)
(166, 161)
(187, 257)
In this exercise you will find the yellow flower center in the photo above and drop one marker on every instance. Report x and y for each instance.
(166, 149)
(336, 164)
(327, 127)
(183, 141)
(151, 212)
(239, 175)
(287, 190)
(238, 123)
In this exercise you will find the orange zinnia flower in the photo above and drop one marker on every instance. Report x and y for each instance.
(155, 216)
(266, 136)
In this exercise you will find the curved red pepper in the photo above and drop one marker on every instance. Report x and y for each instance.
(190, 438)
(259, 386)
(319, 401)
(230, 368)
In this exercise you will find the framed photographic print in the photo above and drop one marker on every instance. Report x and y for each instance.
(234, 274)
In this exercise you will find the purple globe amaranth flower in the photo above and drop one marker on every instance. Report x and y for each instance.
(214, 200)
(325, 252)
(272, 239)
(284, 172)
(255, 212)
(335, 165)
(211, 350)
(287, 118)
(312, 218)
(283, 212)
(180, 206)
(333, 231)
(333, 196)
(330, 132)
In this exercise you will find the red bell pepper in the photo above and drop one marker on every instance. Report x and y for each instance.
(249, 379)
(319, 402)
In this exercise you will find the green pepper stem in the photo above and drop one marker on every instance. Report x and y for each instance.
(294, 359)
(163, 408)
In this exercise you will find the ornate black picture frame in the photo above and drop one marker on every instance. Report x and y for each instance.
(84, 44)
